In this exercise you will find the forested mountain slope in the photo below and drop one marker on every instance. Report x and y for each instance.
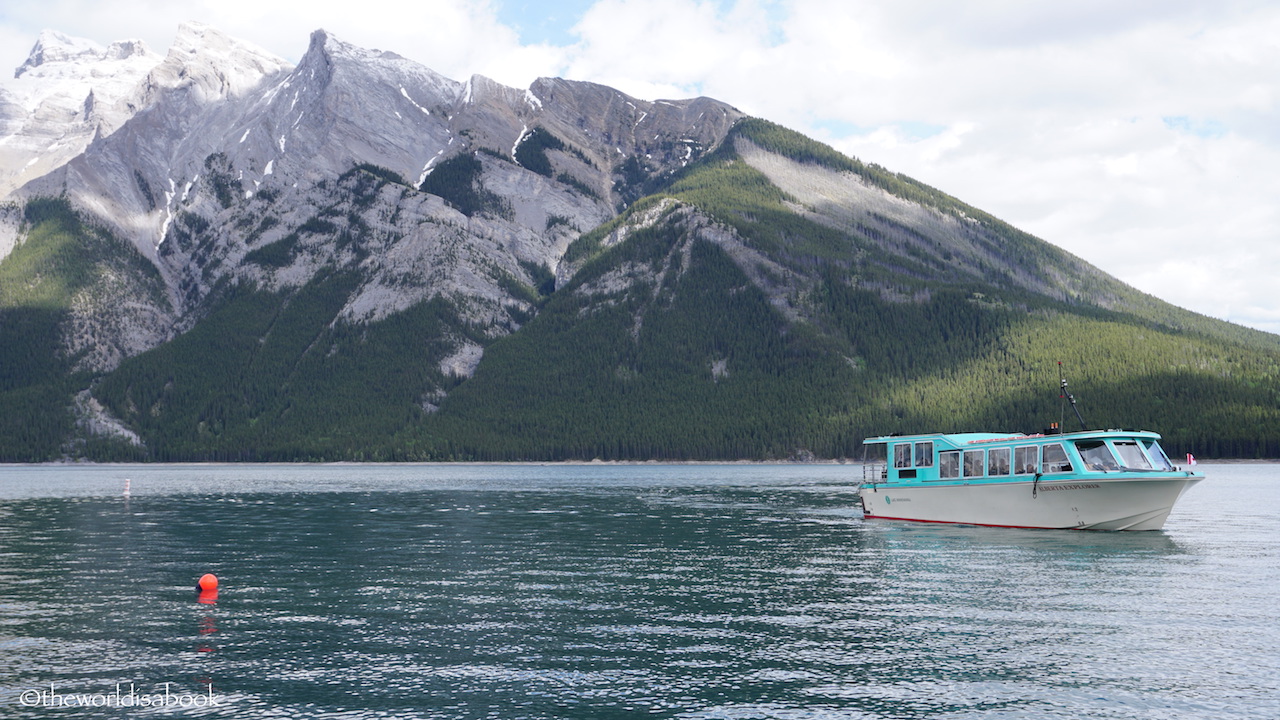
(739, 320)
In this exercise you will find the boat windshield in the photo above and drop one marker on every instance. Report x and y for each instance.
(1131, 455)
(1096, 455)
(1157, 455)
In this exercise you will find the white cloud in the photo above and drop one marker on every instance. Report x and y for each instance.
(1141, 135)
(663, 48)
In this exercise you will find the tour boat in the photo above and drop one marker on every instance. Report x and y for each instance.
(1091, 480)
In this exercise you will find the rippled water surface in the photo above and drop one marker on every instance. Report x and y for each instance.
(354, 591)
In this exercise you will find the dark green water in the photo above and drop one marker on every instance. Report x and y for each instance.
(619, 591)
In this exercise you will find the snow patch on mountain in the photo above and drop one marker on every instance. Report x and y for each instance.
(524, 133)
(405, 93)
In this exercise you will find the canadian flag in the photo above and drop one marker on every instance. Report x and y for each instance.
(1191, 459)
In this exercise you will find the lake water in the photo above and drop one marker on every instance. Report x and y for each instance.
(737, 591)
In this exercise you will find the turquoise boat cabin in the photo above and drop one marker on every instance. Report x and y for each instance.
(995, 457)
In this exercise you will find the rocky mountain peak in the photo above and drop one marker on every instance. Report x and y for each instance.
(58, 60)
(125, 49)
(324, 45)
(59, 54)
(214, 65)
(332, 46)
(327, 51)
(55, 47)
(69, 91)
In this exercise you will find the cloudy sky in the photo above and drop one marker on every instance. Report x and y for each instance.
(1141, 135)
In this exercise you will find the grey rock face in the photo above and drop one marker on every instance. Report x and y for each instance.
(232, 166)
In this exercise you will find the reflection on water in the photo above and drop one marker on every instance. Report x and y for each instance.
(582, 592)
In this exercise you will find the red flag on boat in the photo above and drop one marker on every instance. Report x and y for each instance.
(1191, 459)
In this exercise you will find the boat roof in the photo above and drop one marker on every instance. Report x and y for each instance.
(980, 438)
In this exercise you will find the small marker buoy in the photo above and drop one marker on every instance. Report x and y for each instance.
(208, 588)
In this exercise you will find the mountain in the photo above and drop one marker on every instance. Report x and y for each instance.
(68, 92)
(358, 258)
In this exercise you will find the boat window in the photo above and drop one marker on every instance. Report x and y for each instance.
(973, 463)
(949, 464)
(924, 454)
(1131, 455)
(1156, 453)
(1055, 459)
(1096, 455)
(998, 461)
(902, 455)
(1026, 459)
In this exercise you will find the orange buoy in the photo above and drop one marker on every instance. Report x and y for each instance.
(208, 587)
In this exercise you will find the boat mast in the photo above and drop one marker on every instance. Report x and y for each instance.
(1066, 395)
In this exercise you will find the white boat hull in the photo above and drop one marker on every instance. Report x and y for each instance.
(1117, 502)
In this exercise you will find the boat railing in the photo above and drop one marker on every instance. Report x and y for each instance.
(875, 472)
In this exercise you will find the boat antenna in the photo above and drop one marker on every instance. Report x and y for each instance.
(1066, 395)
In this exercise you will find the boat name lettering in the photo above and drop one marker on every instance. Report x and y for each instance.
(1072, 486)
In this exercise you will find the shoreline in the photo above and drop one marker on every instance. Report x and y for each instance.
(518, 463)
(436, 463)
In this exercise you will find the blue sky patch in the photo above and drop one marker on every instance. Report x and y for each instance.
(544, 23)
(911, 130)
(920, 130)
(550, 22)
(835, 127)
(1192, 126)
